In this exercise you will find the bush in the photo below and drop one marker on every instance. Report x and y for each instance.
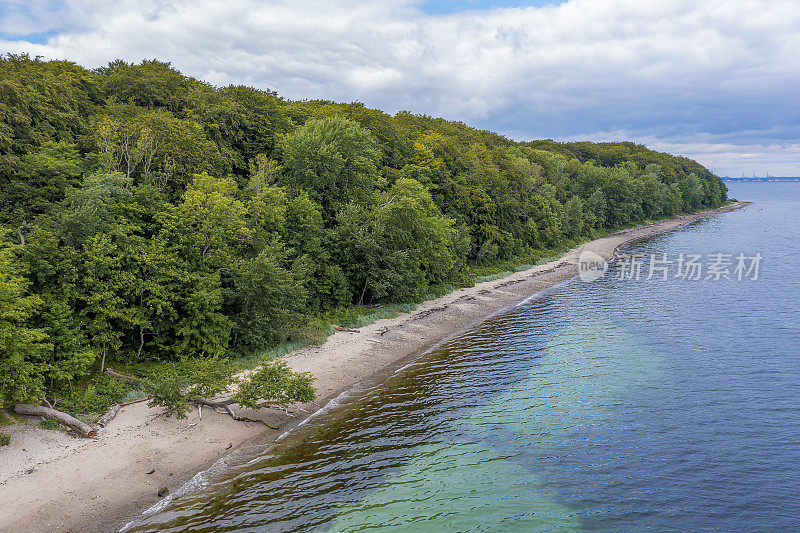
(96, 395)
(175, 386)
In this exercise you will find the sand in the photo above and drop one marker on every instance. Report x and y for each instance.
(50, 481)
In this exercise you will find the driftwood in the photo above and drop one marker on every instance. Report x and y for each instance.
(428, 312)
(348, 330)
(140, 400)
(122, 377)
(81, 428)
(109, 416)
(507, 283)
(225, 405)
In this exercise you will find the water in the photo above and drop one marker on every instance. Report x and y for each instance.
(608, 406)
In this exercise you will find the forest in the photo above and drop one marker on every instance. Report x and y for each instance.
(168, 227)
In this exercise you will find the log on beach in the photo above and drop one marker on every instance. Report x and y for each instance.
(109, 416)
(81, 428)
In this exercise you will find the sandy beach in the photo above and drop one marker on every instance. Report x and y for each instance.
(50, 481)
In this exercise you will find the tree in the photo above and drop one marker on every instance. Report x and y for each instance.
(374, 271)
(55, 274)
(596, 207)
(310, 249)
(42, 179)
(269, 301)
(197, 382)
(333, 159)
(396, 250)
(106, 308)
(149, 84)
(22, 346)
(548, 215)
(573, 217)
(266, 207)
(210, 222)
(95, 207)
(201, 329)
(414, 223)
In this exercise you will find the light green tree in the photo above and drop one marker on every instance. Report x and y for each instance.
(23, 347)
(335, 160)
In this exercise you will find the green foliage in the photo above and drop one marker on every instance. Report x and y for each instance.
(5, 439)
(175, 385)
(209, 223)
(172, 385)
(52, 425)
(96, 395)
(22, 346)
(149, 84)
(270, 301)
(43, 178)
(334, 159)
(274, 383)
(151, 218)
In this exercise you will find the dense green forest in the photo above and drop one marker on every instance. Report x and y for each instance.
(149, 217)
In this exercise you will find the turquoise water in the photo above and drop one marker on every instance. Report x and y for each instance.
(618, 405)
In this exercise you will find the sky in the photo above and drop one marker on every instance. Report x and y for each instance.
(715, 80)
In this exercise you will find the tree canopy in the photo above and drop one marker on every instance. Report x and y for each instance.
(149, 216)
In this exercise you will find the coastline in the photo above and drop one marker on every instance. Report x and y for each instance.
(97, 485)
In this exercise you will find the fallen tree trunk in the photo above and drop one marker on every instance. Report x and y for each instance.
(140, 400)
(342, 328)
(225, 405)
(109, 416)
(81, 428)
(122, 377)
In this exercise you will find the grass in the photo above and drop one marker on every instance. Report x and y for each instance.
(49, 424)
(385, 311)
(492, 277)
(4, 419)
(5, 439)
(549, 259)
(249, 362)
(318, 330)
(96, 394)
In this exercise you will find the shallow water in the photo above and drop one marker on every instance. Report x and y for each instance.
(618, 405)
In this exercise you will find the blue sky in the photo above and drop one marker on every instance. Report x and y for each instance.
(714, 80)
(435, 7)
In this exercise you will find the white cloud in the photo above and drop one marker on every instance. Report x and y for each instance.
(677, 69)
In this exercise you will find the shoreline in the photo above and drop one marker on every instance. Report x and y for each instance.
(50, 481)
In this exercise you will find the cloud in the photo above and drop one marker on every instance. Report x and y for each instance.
(679, 74)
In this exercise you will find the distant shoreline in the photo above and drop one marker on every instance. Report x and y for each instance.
(761, 180)
(99, 485)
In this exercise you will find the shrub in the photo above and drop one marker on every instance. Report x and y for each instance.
(96, 396)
